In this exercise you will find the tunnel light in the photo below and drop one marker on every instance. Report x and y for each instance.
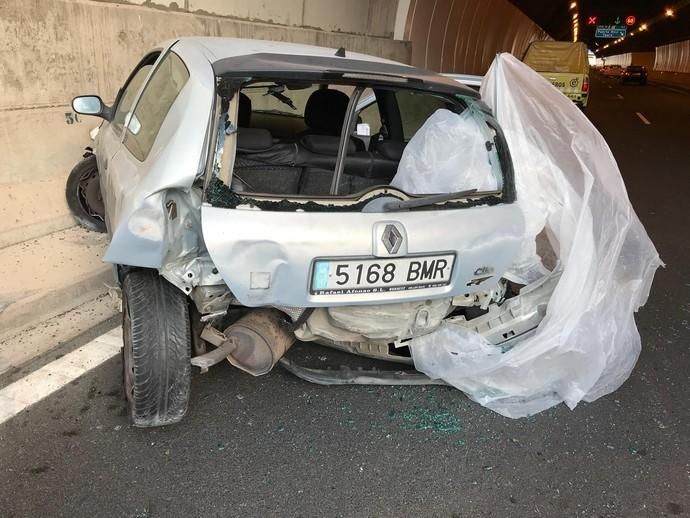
(669, 12)
(643, 27)
(573, 5)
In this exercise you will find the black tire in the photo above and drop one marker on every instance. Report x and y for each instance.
(156, 353)
(84, 195)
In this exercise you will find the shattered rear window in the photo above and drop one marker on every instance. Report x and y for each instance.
(286, 143)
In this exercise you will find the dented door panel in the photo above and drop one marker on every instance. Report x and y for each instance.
(137, 191)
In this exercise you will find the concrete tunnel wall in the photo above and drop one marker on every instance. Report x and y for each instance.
(52, 50)
(464, 36)
(668, 64)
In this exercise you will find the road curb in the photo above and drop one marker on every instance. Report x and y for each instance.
(50, 275)
(36, 308)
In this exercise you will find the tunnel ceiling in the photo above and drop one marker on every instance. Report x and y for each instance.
(556, 18)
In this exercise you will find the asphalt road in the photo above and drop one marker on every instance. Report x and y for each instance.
(278, 446)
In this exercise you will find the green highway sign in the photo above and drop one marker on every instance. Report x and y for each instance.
(611, 31)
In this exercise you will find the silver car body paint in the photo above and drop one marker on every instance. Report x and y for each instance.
(156, 218)
(285, 244)
(135, 192)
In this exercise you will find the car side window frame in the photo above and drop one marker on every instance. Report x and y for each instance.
(149, 59)
(130, 120)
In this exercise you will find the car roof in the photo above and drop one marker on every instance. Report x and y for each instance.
(219, 48)
(241, 58)
(466, 79)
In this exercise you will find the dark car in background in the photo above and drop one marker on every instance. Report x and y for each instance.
(634, 74)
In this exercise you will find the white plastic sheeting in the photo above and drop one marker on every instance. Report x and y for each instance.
(568, 182)
(447, 154)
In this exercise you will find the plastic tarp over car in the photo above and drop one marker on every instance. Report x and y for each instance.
(569, 187)
(447, 154)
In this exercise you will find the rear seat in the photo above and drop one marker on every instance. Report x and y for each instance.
(319, 154)
(362, 168)
(262, 165)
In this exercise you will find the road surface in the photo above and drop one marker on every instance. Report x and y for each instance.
(278, 446)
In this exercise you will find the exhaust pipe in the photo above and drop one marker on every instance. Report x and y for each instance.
(260, 341)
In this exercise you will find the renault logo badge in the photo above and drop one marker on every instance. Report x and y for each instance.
(392, 239)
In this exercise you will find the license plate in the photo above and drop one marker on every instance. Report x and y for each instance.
(353, 276)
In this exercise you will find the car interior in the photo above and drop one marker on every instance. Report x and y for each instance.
(288, 136)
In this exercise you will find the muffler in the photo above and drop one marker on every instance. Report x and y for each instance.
(260, 341)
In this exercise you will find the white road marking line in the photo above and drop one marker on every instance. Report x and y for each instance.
(643, 118)
(619, 96)
(48, 379)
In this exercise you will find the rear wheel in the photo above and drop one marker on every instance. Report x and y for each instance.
(156, 352)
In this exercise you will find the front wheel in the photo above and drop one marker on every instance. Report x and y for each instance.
(156, 352)
(83, 195)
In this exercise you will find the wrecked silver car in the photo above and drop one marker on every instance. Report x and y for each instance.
(252, 200)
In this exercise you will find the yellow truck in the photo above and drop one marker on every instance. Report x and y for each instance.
(564, 64)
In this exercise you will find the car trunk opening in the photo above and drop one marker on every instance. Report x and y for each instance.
(356, 191)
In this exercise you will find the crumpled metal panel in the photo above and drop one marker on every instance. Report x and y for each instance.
(382, 322)
(143, 232)
(282, 245)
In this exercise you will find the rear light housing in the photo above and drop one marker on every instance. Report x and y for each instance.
(585, 85)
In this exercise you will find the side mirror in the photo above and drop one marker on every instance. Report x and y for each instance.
(91, 105)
